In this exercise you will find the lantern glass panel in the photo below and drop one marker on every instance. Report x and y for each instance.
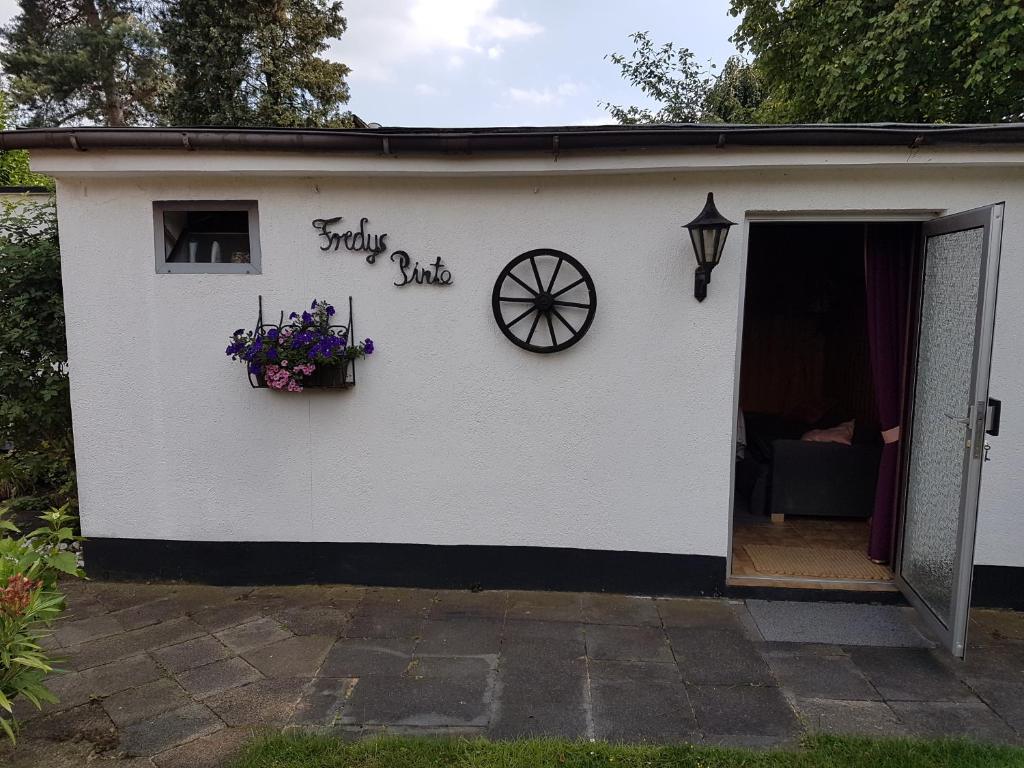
(698, 251)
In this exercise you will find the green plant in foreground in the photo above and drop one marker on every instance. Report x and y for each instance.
(30, 601)
(310, 750)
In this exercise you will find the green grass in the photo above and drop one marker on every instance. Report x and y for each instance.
(304, 750)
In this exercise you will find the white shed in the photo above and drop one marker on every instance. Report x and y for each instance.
(548, 404)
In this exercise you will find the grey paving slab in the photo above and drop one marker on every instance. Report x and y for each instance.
(145, 701)
(221, 617)
(205, 752)
(191, 654)
(252, 635)
(839, 623)
(724, 656)
(152, 612)
(82, 606)
(268, 703)
(461, 604)
(460, 636)
(540, 640)
(322, 702)
(83, 630)
(640, 702)
(996, 661)
(435, 693)
(169, 729)
(944, 719)
(544, 606)
(851, 718)
(818, 676)
(624, 643)
(532, 703)
(203, 682)
(292, 657)
(697, 612)
(989, 626)
(118, 595)
(316, 620)
(87, 722)
(109, 649)
(753, 711)
(1005, 698)
(909, 674)
(359, 658)
(76, 688)
(619, 609)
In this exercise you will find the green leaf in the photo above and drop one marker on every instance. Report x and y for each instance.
(65, 562)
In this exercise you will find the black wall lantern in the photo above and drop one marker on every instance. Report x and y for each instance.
(707, 233)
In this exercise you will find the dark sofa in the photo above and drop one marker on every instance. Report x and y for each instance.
(783, 475)
(828, 479)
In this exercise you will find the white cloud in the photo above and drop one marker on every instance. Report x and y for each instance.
(385, 33)
(542, 96)
(425, 89)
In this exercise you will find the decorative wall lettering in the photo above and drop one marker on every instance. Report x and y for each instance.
(421, 275)
(352, 240)
(363, 241)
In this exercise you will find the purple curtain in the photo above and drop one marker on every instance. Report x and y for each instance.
(888, 255)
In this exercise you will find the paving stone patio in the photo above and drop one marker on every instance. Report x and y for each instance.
(181, 675)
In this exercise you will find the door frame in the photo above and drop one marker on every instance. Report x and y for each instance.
(985, 317)
(796, 216)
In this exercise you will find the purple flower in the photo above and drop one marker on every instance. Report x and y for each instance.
(307, 318)
(292, 316)
(239, 332)
(330, 311)
(313, 305)
(272, 334)
(368, 346)
(271, 354)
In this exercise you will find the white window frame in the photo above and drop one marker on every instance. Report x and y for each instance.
(254, 267)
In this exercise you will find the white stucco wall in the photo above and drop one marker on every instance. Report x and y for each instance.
(453, 435)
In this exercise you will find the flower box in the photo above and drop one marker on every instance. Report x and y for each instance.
(309, 352)
(324, 377)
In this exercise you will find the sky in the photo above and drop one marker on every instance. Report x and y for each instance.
(505, 62)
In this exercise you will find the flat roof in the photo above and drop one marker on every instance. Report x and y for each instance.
(393, 140)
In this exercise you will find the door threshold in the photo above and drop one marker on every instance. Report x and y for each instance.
(801, 582)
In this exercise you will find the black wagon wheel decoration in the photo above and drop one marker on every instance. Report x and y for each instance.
(544, 300)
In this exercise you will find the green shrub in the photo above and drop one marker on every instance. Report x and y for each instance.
(34, 402)
(30, 600)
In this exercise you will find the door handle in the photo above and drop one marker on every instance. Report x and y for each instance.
(993, 417)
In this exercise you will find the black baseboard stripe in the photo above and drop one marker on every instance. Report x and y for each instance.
(405, 565)
(998, 586)
(472, 567)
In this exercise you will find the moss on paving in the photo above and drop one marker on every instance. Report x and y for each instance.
(305, 750)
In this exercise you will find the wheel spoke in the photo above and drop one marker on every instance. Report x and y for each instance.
(551, 329)
(554, 275)
(533, 328)
(569, 287)
(521, 299)
(569, 304)
(564, 321)
(536, 273)
(520, 317)
(522, 284)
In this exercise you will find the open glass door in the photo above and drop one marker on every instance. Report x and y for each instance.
(946, 435)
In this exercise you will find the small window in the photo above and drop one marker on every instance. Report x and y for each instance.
(207, 236)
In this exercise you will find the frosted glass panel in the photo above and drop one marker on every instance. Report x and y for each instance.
(949, 306)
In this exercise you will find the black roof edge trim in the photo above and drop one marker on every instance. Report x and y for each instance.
(397, 140)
